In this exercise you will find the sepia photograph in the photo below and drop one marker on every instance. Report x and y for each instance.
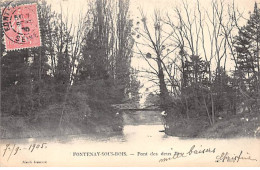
(130, 83)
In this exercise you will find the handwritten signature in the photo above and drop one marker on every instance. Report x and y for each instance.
(223, 157)
(227, 157)
(13, 149)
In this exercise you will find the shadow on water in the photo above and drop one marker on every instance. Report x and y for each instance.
(140, 126)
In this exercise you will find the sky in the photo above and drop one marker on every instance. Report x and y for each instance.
(76, 6)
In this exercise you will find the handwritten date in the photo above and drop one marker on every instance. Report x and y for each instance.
(13, 149)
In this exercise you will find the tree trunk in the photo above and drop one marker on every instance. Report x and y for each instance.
(164, 94)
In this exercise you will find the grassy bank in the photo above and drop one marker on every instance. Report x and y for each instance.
(24, 127)
(242, 125)
(247, 125)
(75, 120)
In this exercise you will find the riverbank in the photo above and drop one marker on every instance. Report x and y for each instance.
(247, 125)
(24, 127)
(242, 125)
(233, 126)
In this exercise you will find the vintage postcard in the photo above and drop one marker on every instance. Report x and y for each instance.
(130, 83)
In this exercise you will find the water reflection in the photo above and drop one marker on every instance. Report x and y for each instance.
(130, 134)
(138, 127)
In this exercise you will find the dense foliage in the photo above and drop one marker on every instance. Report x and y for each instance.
(76, 74)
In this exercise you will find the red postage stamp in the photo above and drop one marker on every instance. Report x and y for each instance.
(21, 27)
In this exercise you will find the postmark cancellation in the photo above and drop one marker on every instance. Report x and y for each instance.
(21, 26)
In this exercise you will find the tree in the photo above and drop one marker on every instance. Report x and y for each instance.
(156, 41)
(25, 75)
(124, 45)
(247, 49)
(107, 49)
